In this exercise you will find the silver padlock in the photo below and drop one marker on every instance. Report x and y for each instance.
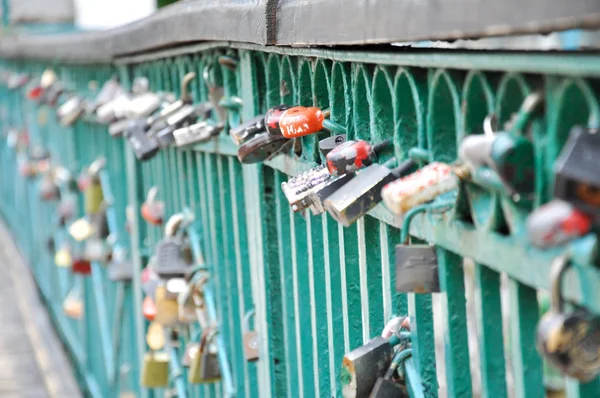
(196, 133)
(172, 253)
(70, 110)
(172, 108)
(297, 189)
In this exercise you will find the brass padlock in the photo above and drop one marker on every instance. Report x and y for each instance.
(93, 195)
(167, 309)
(205, 367)
(569, 341)
(251, 339)
(155, 370)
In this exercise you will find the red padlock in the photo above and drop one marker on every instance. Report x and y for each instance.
(273, 117)
(81, 266)
(556, 223)
(300, 121)
(35, 93)
(149, 308)
(153, 211)
(352, 156)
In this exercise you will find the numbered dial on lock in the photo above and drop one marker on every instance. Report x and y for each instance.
(570, 341)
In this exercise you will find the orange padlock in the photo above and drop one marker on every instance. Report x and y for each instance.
(300, 121)
(149, 308)
(153, 211)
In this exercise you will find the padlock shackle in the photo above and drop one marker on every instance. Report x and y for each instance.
(151, 196)
(528, 108)
(176, 224)
(489, 125)
(559, 267)
(408, 217)
(185, 82)
(96, 166)
(377, 148)
(399, 357)
(246, 321)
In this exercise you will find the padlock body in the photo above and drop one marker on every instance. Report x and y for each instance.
(169, 258)
(261, 147)
(326, 145)
(153, 213)
(167, 308)
(116, 129)
(363, 366)
(196, 133)
(93, 198)
(385, 388)
(81, 266)
(297, 189)
(556, 223)
(577, 174)
(512, 157)
(247, 130)
(359, 195)
(120, 270)
(320, 193)
(204, 368)
(272, 118)
(571, 343)
(155, 370)
(475, 150)
(420, 187)
(165, 137)
(416, 269)
(299, 121)
(350, 157)
(144, 146)
(251, 345)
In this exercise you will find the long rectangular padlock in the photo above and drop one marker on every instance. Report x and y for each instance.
(363, 192)
(196, 133)
(362, 367)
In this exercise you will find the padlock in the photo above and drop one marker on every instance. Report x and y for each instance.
(62, 257)
(577, 179)
(299, 121)
(111, 110)
(150, 279)
(297, 189)
(81, 229)
(149, 308)
(250, 338)
(319, 194)
(385, 387)
(326, 145)
(362, 367)
(191, 350)
(164, 138)
(110, 89)
(171, 257)
(117, 128)
(144, 146)
(273, 117)
(173, 108)
(143, 105)
(352, 156)
(17, 80)
(81, 266)
(155, 370)
(70, 110)
(73, 304)
(48, 78)
(261, 147)
(420, 187)
(569, 341)
(167, 309)
(205, 366)
(247, 130)
(354, 199)
(100, 222)
(48, 189)
(120, 268)
(416, 268)
(93, 197)
(196, 133)
(556, 223)
(155, 336)
(153, 211)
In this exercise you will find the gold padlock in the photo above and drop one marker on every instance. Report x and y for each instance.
(93, 197)
(155, 370)
(205, 366)
(167, 308)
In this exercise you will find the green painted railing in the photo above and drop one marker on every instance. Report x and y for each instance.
(318, 289)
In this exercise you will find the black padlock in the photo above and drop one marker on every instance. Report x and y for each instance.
(577, 172)
(172, 253)
(247, 130)
(261, 147)
(326, 145)
(144, 146)
(363, 192)
(570, 341)
(363, 366)
(353, 155)
(385, 387)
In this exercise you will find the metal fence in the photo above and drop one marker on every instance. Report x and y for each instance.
(319, 289)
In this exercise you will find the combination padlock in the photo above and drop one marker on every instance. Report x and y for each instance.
(319, 194)
(385, 387)
(120, 268)
(363, 366)
(356, 198)
(155, 370)
(261, 147)
(422, 186)
(297, 189)
(205, 366)
(144, 146)
(153, 211)
(326, 145)
(250, 338)
(352, 156)
(70, 110)
(577, 176)
(556, 223)
(247, 130)
(569, 341)
(273, 117)
(173, 257)
(196, 133)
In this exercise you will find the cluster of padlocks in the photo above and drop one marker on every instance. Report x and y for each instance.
(352, 179)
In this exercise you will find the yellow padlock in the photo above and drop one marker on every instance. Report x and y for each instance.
(155, 370)
(93, 197)
(205, 366)
(167, 308)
